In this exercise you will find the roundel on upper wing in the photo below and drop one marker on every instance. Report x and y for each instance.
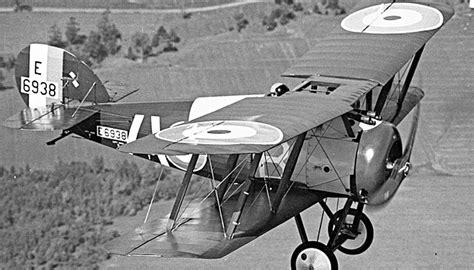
(395, 18)
(223, 133)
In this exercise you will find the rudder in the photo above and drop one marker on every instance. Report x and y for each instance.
(45, 75)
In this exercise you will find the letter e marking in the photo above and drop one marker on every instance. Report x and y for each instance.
(37, 67)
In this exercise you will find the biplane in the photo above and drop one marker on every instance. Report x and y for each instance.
(331, 131)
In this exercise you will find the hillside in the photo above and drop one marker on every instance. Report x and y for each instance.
(211, 61)
(122, 4)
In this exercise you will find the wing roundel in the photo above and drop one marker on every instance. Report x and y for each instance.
(223, 133)
(251, 125)
(393, 18)
(373, 43)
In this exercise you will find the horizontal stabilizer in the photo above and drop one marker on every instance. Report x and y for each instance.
(48, 118)
(118, 91)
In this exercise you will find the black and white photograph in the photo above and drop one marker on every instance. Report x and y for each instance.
(236, 134)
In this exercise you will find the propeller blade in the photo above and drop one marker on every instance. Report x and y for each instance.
(400, 170)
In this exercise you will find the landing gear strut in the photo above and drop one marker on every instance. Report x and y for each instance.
(357, 240)
(311, 254)
(350, 231)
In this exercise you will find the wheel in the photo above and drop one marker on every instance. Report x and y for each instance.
(363, 238)
(313, 255)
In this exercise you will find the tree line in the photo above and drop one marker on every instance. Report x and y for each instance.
(107, 41)
(59, 217)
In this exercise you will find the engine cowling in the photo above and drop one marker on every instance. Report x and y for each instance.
(379, 147)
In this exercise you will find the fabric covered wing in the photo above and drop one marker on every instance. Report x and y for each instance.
(251, 125)
(200, 233)
(371, 55)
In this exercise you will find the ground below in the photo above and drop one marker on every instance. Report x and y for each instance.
(428, 225)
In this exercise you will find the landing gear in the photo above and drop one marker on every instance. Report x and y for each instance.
(313, 255)
(357, 240)
(350, 231)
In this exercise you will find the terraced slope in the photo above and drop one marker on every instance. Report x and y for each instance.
(447, 76)
(248, 63)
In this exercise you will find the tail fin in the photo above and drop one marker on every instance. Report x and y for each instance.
(46, 75)
(54, 84)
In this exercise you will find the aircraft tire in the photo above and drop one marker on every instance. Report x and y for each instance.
(313, 255)
(367, 230)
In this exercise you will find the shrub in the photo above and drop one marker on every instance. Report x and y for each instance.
(281, 14)
(91, 49)
(140, 47)
(55, 37)
(241, 21)
(72, 32)
(160, 35)
(110, 35)
(2, 78)
(297, 7)
(101, 43)
(328, 7)
(163, 41)
(94, 49)
(7, 61)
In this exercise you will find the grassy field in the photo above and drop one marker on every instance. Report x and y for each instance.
(118, 3)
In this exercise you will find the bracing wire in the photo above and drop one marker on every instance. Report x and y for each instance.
(195, 210)
(330, 162)
(399, 80)
(321, 222)
(233, 181)
(153, 197)
(214, 189)
(266, 182)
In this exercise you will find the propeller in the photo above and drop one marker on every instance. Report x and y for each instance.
(399, 170)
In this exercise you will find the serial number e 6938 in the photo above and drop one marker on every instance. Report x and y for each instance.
(38, 87)
(112, 133)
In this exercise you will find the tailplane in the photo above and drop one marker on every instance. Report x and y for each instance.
(59, 89)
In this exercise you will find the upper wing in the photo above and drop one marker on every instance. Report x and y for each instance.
(369, 48)
(251, 125)
(375, 42)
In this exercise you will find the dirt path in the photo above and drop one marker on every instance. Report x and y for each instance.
(143, 11)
